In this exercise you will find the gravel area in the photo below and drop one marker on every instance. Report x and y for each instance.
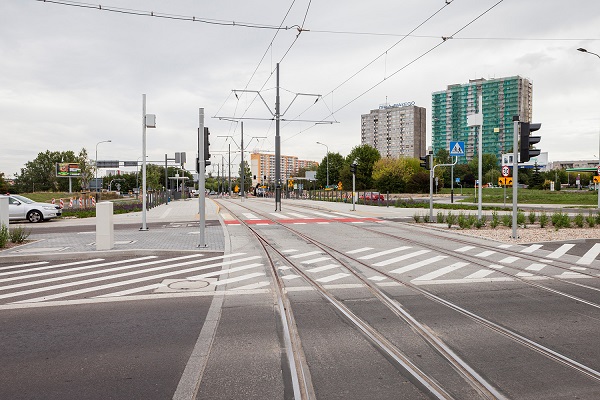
(531, 234)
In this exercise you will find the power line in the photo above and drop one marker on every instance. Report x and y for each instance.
(167, 16)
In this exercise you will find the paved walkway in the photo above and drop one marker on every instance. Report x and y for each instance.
(171, 227)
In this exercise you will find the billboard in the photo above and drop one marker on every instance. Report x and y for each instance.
(68, 170)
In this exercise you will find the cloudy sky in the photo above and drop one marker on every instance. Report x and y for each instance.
(71, 77)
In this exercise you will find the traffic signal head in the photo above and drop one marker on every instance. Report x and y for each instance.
(353, 168)
(206, 143)
(425, 161)
(525, 150)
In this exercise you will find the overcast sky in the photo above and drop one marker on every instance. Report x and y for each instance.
(71, 77)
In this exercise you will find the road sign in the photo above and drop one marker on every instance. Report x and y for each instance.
(505, 181)
(457, 180)
(457, 149)
(505, 170)
(597, 179)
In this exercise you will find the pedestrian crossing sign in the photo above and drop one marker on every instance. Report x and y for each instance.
(457, 149)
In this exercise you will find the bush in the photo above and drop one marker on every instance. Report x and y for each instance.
(507, 220)
(521, 218)
(4, 236)
(560, 220)
(440, 217)
(480, 222)
(19, 234)
(591, 220)
(495, 219)
(578, 220)
(531, 217)
(450, 219)
(417, 217)
(426, 217)
(462, 220)
(471, 220)
(597, 218)
(543, 219)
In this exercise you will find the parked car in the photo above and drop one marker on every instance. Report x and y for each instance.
(20, 207)
(372, 196)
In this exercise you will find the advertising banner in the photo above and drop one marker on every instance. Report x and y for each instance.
(68, 170)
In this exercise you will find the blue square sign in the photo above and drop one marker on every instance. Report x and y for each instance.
(457, 149)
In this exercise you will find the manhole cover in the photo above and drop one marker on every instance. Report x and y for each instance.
(185, 285)
(188, 285)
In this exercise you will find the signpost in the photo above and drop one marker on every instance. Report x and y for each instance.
(457, 149)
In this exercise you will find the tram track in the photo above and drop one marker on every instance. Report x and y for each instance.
(514, 336)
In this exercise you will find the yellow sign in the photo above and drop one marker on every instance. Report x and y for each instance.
(339, 185)
(505, 181)
(236, 188)
(596, 179)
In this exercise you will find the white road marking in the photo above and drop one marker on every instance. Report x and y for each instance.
(561, 251)
(290, 277)
(486, 253)
(505, 246)
(442, 271)
(322, 214)
(578, 268)
(383, 253)
(299, 223)
(239, 278)
(279, 215)
(418, 265)
(315, 260)
(535, 267)
(53, 266)
(250, 216)
(590, 255)
(523, 274)
(310, 253)
(532, 248)
(377, 278)
(289, 251)
(323, 268)
(482, 273)
(509, 260)
(159, 284)
(348, 215)
(465, 248)
(300, 215)
(496, 266)
(253, 286)
(63, 271)
(333, 277)
(361, 250)
(24, 265)
(122, 283)
(572, 274)
(400, 258)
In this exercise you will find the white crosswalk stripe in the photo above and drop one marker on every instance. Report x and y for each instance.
(323, 268)
(486, 253)
(509, 260)
(384, 253)
(482, 273)
(315, 260)
(590, 255)
(53, 266)
(532, 248)
(361, 250)
(250, 216)
(418, 265)
(441, 271)
(561, 251)
(23, 265)
(465, 248)
(122, 283)
(333, 277)
(310, 253)
(400, 258)
(299, 215)
(535, 267)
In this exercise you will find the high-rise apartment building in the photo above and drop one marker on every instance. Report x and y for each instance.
(502, 98)
(395, 130)
(262, 166)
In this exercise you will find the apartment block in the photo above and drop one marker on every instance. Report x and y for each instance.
(262, 166)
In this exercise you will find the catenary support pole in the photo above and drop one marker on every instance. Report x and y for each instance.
(144, 194)
(515, 173)
(201, 179)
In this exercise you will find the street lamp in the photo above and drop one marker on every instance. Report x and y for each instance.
(96, 163)
(327, 161)
(589, 52)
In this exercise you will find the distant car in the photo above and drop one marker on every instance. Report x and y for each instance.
(372, 196)
(20, 207)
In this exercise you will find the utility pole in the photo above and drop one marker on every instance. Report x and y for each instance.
(243, 168)
(201, 179)
(515, 173)
(229, 170)
(277, 147)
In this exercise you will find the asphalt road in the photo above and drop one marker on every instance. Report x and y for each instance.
(188, 324)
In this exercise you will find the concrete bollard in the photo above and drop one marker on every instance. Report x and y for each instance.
(105, 229)
(4, 211)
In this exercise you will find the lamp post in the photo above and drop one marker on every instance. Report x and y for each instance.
(323, 144)
(589, 52)
(96, 163)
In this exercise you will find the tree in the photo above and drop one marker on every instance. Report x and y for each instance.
(247, 176)
(395, 175)
(3, 184)
(40, 174)
(336, 165)
(366, 157)
(86, 168)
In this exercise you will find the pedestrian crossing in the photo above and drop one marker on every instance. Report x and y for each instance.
(99, 278)
(295, 218)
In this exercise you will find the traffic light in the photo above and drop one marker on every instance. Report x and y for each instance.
(206, 143)
(353, 168)
(206, 164)
(426, 161)
(525, 150)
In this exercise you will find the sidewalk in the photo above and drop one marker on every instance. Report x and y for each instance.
(170, 227)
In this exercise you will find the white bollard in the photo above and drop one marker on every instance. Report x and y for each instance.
(4, 211)
(105, 229)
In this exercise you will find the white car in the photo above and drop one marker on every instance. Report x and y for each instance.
(20, 207)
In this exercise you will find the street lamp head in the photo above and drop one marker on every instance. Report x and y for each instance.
(582, 50)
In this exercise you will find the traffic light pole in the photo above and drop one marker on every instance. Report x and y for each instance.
(431, 176)
(201, 179)
(515, 173)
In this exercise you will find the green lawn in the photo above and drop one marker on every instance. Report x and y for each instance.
(529, 196)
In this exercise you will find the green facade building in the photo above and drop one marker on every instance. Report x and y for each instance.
(502, 98)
